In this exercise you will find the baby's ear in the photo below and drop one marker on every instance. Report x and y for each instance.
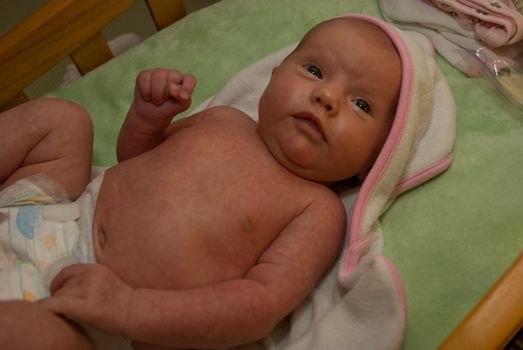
(274, 70)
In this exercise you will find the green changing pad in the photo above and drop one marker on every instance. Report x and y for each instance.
(450, 239)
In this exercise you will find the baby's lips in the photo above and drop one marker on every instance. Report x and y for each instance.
(314, 120)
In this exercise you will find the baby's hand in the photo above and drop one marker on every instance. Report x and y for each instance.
(93, 294)
(162, 93)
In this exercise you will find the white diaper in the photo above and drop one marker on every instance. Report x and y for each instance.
(40, 234)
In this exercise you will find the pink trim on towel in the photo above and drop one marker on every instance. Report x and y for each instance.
(392, 141)
(355, 250)
(423, 175)
(399, 284)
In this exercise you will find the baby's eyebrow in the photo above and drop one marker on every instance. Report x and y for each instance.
(362, 83)
(375, 94)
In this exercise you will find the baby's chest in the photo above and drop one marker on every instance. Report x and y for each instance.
(243, 205)
(224, 183)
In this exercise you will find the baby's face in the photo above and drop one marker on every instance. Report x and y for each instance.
(329, 106)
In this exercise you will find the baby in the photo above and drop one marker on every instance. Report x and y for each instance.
(211, 229)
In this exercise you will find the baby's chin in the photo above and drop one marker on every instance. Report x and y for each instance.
(319, 175)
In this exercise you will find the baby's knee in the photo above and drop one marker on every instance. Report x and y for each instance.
(72, 125)
(68, 114)
(71, 136)
(57, 115)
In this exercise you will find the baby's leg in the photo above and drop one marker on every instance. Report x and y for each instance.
(48, 136)
(26, 325)
(143, 346)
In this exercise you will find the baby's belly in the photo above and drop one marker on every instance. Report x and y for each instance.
(177, 237)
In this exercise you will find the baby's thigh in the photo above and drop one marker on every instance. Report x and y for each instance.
(144, 346)
(50, 136)
(26, 325)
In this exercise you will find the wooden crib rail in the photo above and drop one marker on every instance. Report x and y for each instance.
(62, 28)
(497, 317)
(165, 12)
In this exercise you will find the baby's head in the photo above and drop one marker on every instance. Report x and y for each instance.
(329, 106)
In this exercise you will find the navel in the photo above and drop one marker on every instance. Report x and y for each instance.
(102, 237)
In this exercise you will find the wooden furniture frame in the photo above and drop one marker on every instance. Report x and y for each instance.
(496, 318)
(62, 28)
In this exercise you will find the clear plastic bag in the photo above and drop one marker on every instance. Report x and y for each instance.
(505, 72)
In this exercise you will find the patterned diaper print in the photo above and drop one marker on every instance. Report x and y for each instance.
(37, 241)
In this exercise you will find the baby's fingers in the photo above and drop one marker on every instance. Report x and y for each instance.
(68, 276)
(159, 83)
(153, 85)
(75, 309)
(64, 306)
(183, 88)
(188, 85)
(143, 85)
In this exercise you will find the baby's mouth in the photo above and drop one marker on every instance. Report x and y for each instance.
(308, 122)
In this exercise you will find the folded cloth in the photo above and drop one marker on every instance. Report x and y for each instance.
(360, 303)
(457, 43)
(496, 23)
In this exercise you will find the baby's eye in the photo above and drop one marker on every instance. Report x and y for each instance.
(314, 70)
(363, 105)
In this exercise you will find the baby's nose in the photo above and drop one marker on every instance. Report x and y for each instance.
(327, 98)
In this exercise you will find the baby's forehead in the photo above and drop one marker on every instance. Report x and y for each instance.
(351, 35)
(349, 27)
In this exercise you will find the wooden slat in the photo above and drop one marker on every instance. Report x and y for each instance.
(47, 36)
(165, 12)
(14, 101)
(91, 54)
(496, 319)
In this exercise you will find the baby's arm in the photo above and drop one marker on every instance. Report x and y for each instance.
(221, 315)
(159, 95)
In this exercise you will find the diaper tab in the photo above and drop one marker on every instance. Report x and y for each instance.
(37, 189)
(61, 212)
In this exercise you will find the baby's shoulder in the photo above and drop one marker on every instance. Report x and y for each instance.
(323, 215)
(224, 114)
(323, 199)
